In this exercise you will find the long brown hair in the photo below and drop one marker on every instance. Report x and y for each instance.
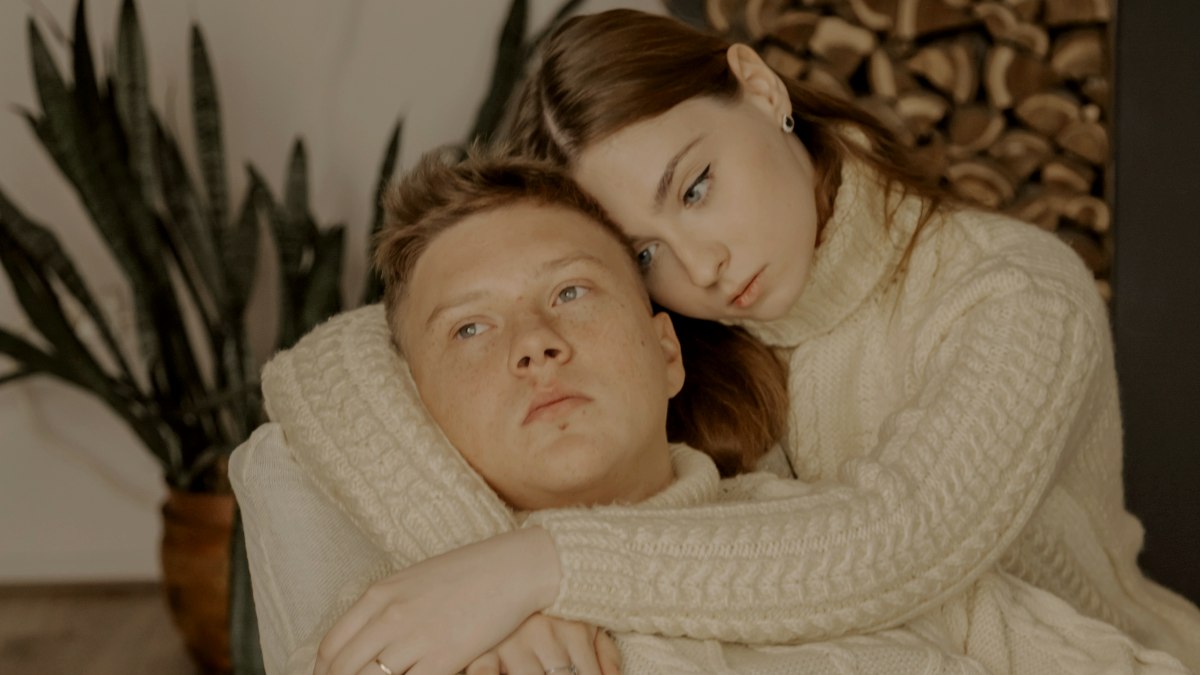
(599, 73)
(723, 406)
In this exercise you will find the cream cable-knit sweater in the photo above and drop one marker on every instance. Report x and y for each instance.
(965, 416)
(962, 415)
(301, 555)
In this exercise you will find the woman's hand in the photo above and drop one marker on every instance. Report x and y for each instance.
(544, 644)
(438, 615)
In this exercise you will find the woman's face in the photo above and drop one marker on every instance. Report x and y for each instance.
(717, 197)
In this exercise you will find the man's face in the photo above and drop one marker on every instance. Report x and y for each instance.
(533, 346)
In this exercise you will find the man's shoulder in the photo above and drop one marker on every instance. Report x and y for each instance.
(260, 458)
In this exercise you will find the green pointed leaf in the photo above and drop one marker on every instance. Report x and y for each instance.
(132, 91)
(84, 68)
(295, 193)
(240, 253)
(323, 296)
(41, 304)
(209, 140)
(292, 224)
(133, 411)
(56, 127)
(47, 253)
(373, 289)
(506, 73)
(290, 244)
(190, 232)
(32, 359)
(387, 169)
(91, 136)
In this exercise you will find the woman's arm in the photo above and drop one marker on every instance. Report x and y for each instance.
(956, 474)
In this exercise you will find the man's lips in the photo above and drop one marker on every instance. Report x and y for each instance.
(553, 403)
(749, 293)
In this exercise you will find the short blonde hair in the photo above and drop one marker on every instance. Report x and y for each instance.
(440, 192)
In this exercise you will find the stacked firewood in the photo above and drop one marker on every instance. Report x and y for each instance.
(1007, 100)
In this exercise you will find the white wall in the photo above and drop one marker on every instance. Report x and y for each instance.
(79, 498)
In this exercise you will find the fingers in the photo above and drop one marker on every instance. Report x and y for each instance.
(518, 659)
(346, 629)
(533, 649)
(488, 664)
(374, 668)
(547, 645)
(608, 654)
(375, 640)
(578, 640)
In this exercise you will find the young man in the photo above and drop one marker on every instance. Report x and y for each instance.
(533, 348)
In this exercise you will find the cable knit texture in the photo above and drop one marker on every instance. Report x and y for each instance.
(301, 557)
(957, 416)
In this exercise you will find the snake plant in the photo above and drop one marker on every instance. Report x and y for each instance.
(183, 246)
(186, 250)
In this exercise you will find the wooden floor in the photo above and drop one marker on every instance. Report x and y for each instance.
(69, 630)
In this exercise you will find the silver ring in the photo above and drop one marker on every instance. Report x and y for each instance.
(569, 668)
(385, 669)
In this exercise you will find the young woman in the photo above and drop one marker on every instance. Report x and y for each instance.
(952, 378)
(953, 393)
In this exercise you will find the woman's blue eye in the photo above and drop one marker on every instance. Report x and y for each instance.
(698, 189)
(645, 257)
(571, 293)
(468, 331)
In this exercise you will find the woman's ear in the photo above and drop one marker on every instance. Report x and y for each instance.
(672, 352)
(760, 85)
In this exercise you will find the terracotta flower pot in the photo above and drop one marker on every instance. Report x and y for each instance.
(195, 564)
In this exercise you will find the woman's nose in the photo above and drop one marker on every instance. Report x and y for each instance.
(703, 261)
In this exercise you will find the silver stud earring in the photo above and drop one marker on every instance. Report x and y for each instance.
(788, 123)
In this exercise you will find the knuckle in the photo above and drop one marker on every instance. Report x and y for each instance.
(325, 651)
(394, 614)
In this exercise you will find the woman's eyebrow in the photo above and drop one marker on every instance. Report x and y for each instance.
(668, 176)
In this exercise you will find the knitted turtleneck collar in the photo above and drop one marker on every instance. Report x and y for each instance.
(855, 256)
(354, 421)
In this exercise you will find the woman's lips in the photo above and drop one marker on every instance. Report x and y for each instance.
(749, 294)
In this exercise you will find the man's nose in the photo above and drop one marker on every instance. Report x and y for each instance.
(537, 345)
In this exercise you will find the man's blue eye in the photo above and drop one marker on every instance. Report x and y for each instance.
(571, 293)
(467, 331)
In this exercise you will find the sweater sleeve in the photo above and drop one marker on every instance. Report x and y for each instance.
(308, 562)
(955, 475)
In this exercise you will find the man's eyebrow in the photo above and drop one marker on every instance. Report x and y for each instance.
(668, 176)
(544, 268)
(568, 260)
(451, 304)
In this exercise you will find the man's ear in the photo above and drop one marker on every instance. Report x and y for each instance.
(672, 352)
(760, 85)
